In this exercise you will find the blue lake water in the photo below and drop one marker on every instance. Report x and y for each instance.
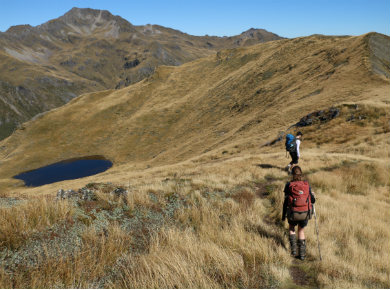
(65, 170)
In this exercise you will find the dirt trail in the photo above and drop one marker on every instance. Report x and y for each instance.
(299, 276)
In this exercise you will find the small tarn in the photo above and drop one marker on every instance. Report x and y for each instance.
(65, 170)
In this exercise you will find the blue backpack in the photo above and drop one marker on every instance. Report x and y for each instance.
(291, 143)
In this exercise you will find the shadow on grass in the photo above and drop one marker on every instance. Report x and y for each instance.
(277, 238)
(269, 166)
(344, 163)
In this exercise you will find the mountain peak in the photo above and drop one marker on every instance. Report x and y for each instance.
(19, 29)
(87, 21)
(257, 33)
(86, 15)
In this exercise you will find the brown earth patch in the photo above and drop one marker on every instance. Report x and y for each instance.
(299, 276)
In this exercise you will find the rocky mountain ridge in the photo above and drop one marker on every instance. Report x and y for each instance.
(86, 50)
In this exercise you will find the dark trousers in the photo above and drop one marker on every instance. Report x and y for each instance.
(294, 157)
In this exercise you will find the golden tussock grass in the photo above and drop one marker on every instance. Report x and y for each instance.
(213, 248)
(18, 223)
(222, 226)
(229, 234)
(352, 210)
(353, 207)
(179, 114)
(82, 269)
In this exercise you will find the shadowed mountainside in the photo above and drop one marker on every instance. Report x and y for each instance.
(248, 95)
(86, 50)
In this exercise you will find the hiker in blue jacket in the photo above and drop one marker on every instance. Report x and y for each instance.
(294, 153)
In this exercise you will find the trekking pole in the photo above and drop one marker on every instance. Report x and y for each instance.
(318, 240)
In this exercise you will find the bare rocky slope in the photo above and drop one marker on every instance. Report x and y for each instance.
(237, 97)
(86, 50)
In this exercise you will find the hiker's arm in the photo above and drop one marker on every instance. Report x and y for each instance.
(298, 143)
(312, 197)
(284, 209)
(285, 202)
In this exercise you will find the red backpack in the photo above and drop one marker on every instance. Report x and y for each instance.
(299, 201)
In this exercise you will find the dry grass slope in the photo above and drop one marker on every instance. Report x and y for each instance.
(178, 113)
(223, 230)
(203, 208)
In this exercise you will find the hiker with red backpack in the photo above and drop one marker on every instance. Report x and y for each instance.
(292, 146)
(298, 207)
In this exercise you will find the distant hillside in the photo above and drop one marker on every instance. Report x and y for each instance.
(236, 96)
(86, 50)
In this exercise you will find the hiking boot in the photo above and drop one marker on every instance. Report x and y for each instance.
(293, 244)
(301, 249)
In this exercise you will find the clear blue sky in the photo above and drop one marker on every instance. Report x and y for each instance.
(286, 18)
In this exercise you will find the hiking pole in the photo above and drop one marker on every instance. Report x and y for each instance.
(318, 239)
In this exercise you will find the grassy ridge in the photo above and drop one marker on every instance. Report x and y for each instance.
(204, 195)
(220, 228)
(182, 112)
